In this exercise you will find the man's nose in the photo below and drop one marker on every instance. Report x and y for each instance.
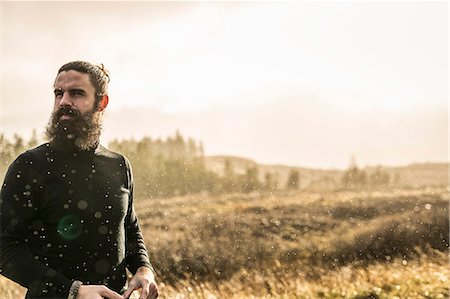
(66, 100)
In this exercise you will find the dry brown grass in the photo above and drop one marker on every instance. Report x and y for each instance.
(297, 245)
(212, 238)
(427, 277)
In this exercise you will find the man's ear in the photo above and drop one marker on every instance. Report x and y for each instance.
(103, 103)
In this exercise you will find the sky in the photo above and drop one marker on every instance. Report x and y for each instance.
(296, 83)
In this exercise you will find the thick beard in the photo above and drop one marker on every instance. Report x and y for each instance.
(82, 132)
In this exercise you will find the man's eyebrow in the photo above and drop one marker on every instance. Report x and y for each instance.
(77, 90)
(70, 90)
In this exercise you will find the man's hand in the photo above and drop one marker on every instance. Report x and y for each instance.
(145, 280)
(96, 292)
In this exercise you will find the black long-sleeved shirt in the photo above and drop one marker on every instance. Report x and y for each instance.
(68, 215)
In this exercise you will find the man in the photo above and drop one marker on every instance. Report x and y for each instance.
(68, 227)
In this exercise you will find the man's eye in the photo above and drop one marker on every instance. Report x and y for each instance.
(58, 94)
(76, 93)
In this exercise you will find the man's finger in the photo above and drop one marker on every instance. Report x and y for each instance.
(105, 292)
(144, 291)
(153, 291)
(128, 291)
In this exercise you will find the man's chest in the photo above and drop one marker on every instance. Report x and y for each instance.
(83, 194)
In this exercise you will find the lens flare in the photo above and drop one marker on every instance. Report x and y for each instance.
(70, 227)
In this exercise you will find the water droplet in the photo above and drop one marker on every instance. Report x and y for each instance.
(103, 230)
(102, 266)
(82, 204)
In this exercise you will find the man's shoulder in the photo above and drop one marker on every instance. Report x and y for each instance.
(36, 152)
(31, 157)
(107, 153)
(113, 156)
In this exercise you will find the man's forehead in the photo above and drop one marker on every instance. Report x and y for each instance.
(71, 79)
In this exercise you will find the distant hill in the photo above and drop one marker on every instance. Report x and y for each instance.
(414, 175)
(421, 174)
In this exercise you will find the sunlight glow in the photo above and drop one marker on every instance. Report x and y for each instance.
(198, 66)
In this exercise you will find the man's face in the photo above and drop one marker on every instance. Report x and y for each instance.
(75, 120)
(74, 93)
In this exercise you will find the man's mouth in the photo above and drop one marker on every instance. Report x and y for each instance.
(65, 113)
(66, 117)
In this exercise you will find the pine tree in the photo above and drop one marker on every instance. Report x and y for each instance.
(293, 181)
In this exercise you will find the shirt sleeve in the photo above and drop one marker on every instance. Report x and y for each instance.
(136, 252)
(19, 204)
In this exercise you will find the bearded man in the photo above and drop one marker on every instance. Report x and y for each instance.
(68, 226)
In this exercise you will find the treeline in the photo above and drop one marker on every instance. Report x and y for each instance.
(176, 166)
(166, 167)
(355, 178)
(10, 149)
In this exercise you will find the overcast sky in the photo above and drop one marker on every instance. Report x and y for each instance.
(296, 83)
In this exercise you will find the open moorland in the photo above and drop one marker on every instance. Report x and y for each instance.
(298, 244)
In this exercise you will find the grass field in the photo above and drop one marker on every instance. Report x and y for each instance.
(391, 244)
